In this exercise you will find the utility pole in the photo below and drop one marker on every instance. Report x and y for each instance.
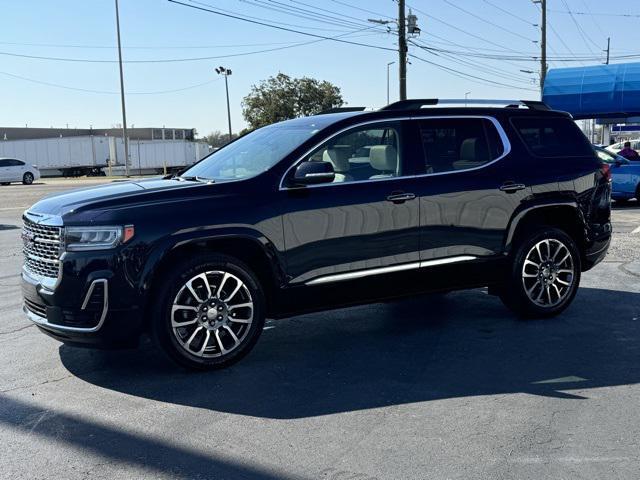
(124, 110)
(608, 50)
(402, 50)
(388, 65)
(543, 45)
(226, 72)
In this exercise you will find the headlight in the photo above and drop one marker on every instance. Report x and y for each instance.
(96, 238)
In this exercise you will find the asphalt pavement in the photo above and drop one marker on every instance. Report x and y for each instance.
(435, 387)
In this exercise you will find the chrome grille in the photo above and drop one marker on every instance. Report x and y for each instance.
(41, 248)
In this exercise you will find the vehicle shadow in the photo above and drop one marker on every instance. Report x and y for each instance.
(416, 350)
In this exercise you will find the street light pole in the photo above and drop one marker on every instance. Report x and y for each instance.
(124, 111)
(226, 72)
(388, 65)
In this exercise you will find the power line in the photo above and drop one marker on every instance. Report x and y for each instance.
(190, 59)
(509, 75)
(582, 33)
(106, 92)
(463, 74)
(339, 2)
(628, 15)
(511, 14)
(299, 13)
(487, 21)
(478, 37)
(264, 24)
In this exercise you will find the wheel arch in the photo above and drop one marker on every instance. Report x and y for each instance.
(258, 254)
(564, 215)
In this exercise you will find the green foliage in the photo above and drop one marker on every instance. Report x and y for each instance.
(218, 139)
(282, 97)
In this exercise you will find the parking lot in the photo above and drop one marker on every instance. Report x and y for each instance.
(444, 386)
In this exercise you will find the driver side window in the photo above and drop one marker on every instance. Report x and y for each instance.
(365, 153)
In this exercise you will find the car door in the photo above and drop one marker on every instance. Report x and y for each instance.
(16, 170)
(363, 223)
(469, 190)
(5, 174)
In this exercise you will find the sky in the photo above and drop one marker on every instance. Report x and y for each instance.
(165, 86)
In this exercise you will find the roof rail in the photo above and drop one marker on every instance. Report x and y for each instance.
(415, 104)
(342, 109)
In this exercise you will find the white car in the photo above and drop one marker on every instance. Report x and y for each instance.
(12, 170)
(616, 147)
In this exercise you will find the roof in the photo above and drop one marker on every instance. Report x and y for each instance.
(602, 91)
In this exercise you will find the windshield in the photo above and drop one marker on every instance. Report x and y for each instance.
(252, 154)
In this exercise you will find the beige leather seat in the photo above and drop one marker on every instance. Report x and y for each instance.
(384, 158)
(473, 153)
(339, 158)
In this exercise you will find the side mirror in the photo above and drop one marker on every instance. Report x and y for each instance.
(618, 163)
(312, 173)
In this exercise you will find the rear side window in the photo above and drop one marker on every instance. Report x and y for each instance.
(15, 163)
(452, 144)
(552, 137)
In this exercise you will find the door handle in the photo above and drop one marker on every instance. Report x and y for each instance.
(511, 187)
(400, 197)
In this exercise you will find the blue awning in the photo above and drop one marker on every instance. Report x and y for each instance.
(602, 91)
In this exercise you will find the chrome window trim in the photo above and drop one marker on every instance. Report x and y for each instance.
(506, 144)
(43, 322)
(340, 277)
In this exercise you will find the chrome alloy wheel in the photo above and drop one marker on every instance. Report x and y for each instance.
(212, 314)
(548, 272)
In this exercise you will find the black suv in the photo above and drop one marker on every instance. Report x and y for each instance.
(320, 212)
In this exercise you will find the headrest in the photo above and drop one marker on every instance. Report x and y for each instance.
(473, 150)
(384, 158)
(339, 158)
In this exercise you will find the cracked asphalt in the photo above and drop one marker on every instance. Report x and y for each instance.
(442, 387)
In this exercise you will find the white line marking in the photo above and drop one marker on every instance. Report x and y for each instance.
(637, 230)
(13, 208)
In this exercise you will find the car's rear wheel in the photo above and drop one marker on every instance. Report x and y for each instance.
(210, 312)
(544, 275)
(27, 178)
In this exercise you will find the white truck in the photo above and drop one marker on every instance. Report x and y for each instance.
(94, 155)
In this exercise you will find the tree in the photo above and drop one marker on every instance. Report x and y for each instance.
(218, 139)
(282, 97)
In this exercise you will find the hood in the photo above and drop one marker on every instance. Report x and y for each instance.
(114, 193)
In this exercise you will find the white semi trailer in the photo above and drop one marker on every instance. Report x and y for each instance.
(95, 155)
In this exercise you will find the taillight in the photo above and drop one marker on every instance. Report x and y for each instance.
(605, 168)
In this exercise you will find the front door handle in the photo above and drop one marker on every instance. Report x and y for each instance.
(400, 197)
(511, 187)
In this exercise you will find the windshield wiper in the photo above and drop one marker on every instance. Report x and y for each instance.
(195, 178)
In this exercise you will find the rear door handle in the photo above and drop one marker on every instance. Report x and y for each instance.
(400, 197)
(510, 187)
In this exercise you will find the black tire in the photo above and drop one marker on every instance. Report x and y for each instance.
(172, 340)
(555, 295)
(27, 178)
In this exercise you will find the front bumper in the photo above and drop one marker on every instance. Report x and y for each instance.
(85, 309)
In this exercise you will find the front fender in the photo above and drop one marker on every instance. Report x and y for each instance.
(166, 246)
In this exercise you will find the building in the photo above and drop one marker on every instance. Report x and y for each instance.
(150, 133)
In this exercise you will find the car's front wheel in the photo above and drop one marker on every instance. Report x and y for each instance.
(544, 274)
(27, 178)
(210, 314)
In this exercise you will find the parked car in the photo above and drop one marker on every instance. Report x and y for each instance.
(616, 147)
(625, 175)
(12, 170)
(290, 219)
